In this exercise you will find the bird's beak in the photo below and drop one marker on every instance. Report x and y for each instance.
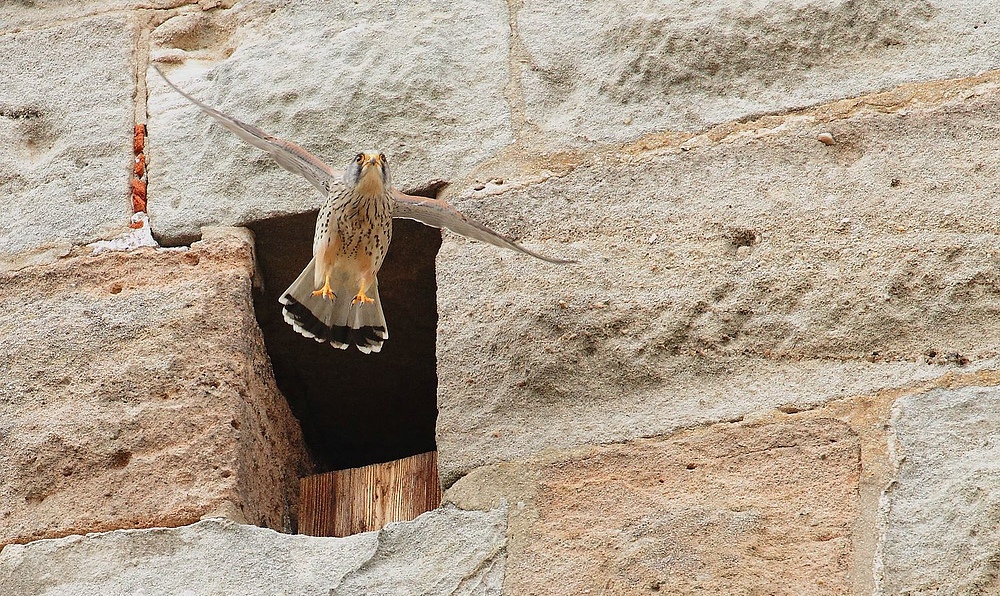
(373, 160)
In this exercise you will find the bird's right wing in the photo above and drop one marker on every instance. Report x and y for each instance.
(440, 214)
(287, 155)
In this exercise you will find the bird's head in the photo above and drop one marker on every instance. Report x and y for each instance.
(368, 172)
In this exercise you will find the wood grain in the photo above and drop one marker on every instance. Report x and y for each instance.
(345, 502)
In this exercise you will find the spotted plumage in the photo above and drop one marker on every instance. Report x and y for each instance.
(335, 298)
(353, 231)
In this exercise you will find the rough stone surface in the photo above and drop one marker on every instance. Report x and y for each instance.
(728, 509)
(942, 513)
(757, 268)
(460, 552)
(136, 392)
(445, 551)
(430, 96)
(65, 132)
(618, 69)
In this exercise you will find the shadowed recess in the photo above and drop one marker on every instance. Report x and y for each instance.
(356, 409)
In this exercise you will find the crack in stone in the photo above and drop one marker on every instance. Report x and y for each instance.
(376, 542)
(477, 575)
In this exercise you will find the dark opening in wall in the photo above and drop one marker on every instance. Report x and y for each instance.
(357, 409)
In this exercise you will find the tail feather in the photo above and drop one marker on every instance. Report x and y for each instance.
(337, 321)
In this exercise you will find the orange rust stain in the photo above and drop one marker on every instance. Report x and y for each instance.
(138, 195)
(139, 171)
(139, 144)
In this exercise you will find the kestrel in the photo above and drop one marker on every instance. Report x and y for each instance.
(335, 298)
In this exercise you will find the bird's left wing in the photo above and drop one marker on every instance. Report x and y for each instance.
(439, 214)
(288, 155)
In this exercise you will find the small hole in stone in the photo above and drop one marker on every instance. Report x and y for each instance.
(115, 288)
(739, 237)
(691, 466)
(191, 258)
(120, 458)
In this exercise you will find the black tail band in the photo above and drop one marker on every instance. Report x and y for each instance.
(367, 336)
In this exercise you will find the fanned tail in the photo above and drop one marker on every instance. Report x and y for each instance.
(337, 321)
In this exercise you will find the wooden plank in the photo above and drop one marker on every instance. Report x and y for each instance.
(346, 502)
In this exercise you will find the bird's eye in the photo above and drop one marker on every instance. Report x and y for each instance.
(360, 157)
(382, 158)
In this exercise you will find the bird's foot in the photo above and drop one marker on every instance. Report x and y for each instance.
(363, 298)
(325, 291)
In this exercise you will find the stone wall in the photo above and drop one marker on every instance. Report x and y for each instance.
(774, 369)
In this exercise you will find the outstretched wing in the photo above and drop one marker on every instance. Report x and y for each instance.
(438, 213)
(288, 155)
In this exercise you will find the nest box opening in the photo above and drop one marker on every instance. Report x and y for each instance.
(356, 409)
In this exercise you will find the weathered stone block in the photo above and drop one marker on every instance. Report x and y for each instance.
(726, 509)
(757, 268)
(616, 70)
(941, 515)
(446, 551)
(136, 392)
(66, 132)
(422, 82)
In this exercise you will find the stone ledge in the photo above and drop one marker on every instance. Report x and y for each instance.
(445, 551)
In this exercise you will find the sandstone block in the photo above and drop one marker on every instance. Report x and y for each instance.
(65, 132)
(941, 516)
(136, 392)
(616, 70)
(422, 82)
(726, 509)
(760, 269)
(446, 551)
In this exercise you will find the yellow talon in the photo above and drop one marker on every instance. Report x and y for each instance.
(362, 297)
(325, 291)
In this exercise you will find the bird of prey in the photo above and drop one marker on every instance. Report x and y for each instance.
(335, 298)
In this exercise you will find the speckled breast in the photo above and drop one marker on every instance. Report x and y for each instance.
(360, 225)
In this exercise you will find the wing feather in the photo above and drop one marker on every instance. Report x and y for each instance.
(440, 214)
(287, 155)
